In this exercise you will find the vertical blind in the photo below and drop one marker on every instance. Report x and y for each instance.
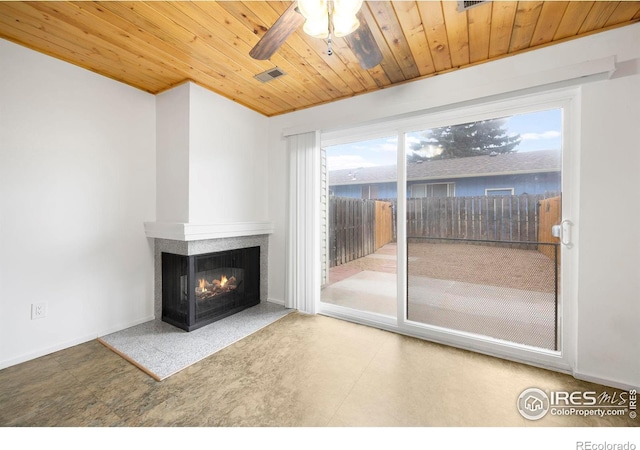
(303, 231)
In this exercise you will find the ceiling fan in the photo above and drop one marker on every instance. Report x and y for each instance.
(323, 19)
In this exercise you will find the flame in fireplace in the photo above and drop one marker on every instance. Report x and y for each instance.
(224, 285)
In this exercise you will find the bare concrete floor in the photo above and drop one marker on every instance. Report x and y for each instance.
(299, 371)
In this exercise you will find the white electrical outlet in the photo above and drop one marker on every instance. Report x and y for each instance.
(38, 310)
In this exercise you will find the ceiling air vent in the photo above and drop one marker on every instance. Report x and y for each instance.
(464, 5)
(270, 74)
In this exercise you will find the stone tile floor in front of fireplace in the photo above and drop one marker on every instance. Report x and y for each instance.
(161, 350)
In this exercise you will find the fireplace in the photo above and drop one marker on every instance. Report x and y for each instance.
(199, 289)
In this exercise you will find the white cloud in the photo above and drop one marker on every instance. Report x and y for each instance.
(389, 145)
(347, 162)
(412, 139)
(539, 136)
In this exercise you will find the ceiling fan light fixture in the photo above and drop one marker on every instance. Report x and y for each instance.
(342, 14)
(317, 17)
(344, 25)
(347, 7)
(312, 9)
(317, 27)
(302, 13)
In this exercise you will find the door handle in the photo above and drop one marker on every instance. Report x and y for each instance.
(565, 233)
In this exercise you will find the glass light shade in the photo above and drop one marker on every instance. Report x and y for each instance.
(317, 27)
(346, 8)
(343, 17)
(312, 9)
(317, 17)
(343, 25)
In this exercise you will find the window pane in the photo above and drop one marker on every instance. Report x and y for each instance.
(418, 190)
(499, 191)
(359, 240)
(439, 190)
(480, 256)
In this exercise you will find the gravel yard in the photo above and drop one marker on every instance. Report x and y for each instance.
(478, 264)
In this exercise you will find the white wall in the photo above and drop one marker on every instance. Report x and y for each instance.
(609, 268)
(211, 159)
(608, 334)
(227, 162)
(172, 154)
(77, 181)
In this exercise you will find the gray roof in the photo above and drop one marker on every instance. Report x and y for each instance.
(473, 166)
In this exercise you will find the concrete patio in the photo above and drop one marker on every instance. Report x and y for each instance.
(523, 315)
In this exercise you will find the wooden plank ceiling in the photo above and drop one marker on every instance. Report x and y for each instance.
(159, 44)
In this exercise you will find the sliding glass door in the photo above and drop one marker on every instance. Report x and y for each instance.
(480, 250)
(359, 246)
(482, 199)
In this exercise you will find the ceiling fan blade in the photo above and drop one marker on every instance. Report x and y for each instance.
(284, 27)
(364, 45)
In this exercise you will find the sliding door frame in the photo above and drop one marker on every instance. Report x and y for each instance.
(568, 99)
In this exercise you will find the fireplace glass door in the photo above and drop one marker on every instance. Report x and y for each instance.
(200, 289)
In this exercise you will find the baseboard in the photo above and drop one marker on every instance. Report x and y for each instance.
(67, 344)
(605, 381)
(276, 301)
(46, 351)
(117, 328)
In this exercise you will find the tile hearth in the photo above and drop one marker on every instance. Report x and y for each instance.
(161, 350)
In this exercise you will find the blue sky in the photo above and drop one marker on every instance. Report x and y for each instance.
(539, 131)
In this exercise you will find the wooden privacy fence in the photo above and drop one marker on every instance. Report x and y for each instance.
(550, 215)
(490, 218)
(357, 228)
(384, 223)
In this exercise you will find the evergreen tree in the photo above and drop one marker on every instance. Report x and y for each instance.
(468, 139)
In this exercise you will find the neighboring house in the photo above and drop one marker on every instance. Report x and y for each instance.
(503, 174)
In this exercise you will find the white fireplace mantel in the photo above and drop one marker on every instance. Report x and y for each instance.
(195, 232)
